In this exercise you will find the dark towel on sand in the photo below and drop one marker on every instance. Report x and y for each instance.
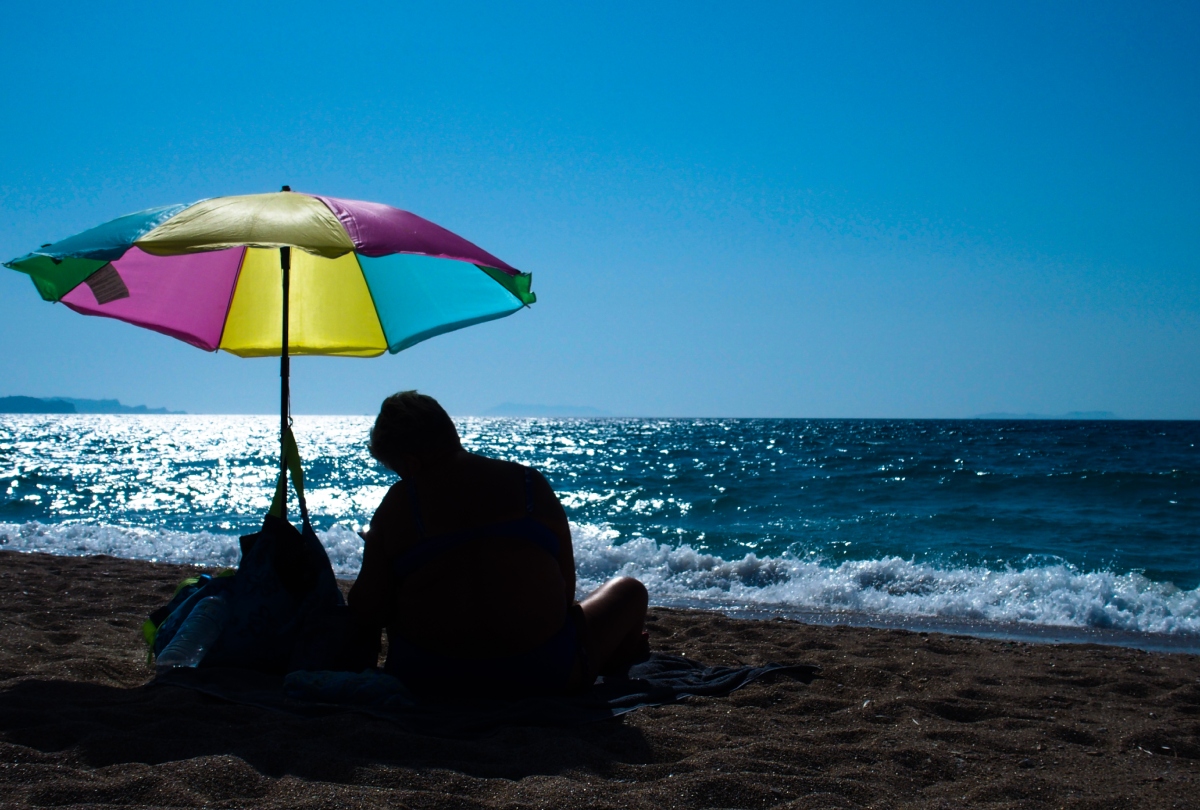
(660, 680)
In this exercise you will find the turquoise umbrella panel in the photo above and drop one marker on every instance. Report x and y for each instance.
(419, 297)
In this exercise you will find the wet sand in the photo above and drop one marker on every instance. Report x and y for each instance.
(897, 719)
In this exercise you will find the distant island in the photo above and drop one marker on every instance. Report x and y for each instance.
(1067, 415)
(525, 409)
(72, 405)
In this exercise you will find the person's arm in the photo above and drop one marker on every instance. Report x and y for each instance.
(549, 510)
(370, 598)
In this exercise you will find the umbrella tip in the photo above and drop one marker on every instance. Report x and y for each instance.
(286, 188)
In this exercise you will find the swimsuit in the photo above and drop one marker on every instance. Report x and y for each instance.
(542, 670)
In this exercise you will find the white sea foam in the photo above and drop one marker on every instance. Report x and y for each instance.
(1050, 595)
(342, 544)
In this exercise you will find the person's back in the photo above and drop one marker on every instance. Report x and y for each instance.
(468, 563)
(488, 590)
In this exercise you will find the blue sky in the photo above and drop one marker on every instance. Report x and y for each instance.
(821, 210)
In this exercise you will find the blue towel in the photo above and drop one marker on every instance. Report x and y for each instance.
(658, 681)
(368, 688)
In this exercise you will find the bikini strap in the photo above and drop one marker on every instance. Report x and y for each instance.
(416, 509)
(528, 491)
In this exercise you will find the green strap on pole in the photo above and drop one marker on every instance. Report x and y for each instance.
(291, 455)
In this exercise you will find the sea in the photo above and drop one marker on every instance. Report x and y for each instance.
(1022, 529)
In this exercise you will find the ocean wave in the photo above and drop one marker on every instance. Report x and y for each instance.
(1054, 594)
(341, 543)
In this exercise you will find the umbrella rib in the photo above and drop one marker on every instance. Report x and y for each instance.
(229, 304)
(371, 293)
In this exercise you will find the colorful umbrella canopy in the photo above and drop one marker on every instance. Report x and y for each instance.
(221, 274)
(366, 278)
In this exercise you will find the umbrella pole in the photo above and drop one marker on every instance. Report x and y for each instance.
(285, 264)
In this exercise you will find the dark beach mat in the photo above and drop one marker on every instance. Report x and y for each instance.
(661, 680)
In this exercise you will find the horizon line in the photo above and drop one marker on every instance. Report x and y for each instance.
(981, 418)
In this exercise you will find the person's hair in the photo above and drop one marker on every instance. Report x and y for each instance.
(411, 423)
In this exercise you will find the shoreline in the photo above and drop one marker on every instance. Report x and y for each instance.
(1179, 642)
(1186, 643)
(898, 719)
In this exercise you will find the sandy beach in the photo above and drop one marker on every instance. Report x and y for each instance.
(897, 719)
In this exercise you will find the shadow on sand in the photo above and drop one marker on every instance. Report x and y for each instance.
(104, 725)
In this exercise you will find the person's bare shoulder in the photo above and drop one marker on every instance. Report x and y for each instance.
(545, 501)
(496, 472)
(493, 465)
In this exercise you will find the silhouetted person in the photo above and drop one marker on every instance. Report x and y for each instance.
(468, 564)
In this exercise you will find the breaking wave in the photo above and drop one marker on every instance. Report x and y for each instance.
(1056, 594)
(342, 544)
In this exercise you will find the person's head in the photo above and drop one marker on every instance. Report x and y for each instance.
(412, 426)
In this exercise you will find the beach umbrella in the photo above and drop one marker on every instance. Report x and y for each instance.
(280, 274)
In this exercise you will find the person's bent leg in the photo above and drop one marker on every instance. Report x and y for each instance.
(615, 614)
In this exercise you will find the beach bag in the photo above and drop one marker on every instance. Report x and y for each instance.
(286, 611)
